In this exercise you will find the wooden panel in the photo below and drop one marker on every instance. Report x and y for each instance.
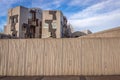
(34, 57)
(3, 56)
(72, 57)
(91, 57)
(111, 56)
(13, 57)
(53, 57)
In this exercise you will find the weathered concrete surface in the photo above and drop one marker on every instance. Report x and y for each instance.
(114, 32)
(53, 57)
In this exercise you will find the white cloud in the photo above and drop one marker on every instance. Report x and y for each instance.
(4, 6)
(104, 14)
(83, 2)
(47, 4)
(57, 3)
(103, 20)
(98, 9)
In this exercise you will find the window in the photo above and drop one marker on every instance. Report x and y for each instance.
(54, 25)
(37, 22)
(46, 25)
(13, 19)
(33, 16)
(30, 15)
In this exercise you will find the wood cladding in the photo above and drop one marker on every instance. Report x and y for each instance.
(56, 57)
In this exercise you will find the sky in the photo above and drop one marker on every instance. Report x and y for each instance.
(95, 15)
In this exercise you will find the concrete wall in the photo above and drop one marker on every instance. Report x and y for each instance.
(115, 32)
(48, 57)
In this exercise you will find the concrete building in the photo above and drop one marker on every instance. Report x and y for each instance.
(23, 21)
(4, 36)
(36, 23)
(87, 31)
(77, 34)
(54, 24)
(80, 33)
(15, 20)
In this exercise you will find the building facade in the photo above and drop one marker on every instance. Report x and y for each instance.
(36, 23)
(23, 22)
(54, 24)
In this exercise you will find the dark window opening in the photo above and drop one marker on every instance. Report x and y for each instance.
(13, 19)
(33, 15)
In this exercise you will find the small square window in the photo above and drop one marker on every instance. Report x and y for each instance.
(46, 25)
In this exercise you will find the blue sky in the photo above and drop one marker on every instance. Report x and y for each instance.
(96, 15)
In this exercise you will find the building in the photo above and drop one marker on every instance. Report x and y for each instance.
(80, 33)
(77, 34)
(54, 24)
(4, 36)
(23, 22)
(87, 31)
(36, 23)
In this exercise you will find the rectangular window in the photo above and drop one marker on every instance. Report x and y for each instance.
(13, 19)
(46, 25)
(37, 22)
(54, 25)
(30, 15)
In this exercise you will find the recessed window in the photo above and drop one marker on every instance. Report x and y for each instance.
(30, 15)
(46, 25)
(54, 25)
(13, 19)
